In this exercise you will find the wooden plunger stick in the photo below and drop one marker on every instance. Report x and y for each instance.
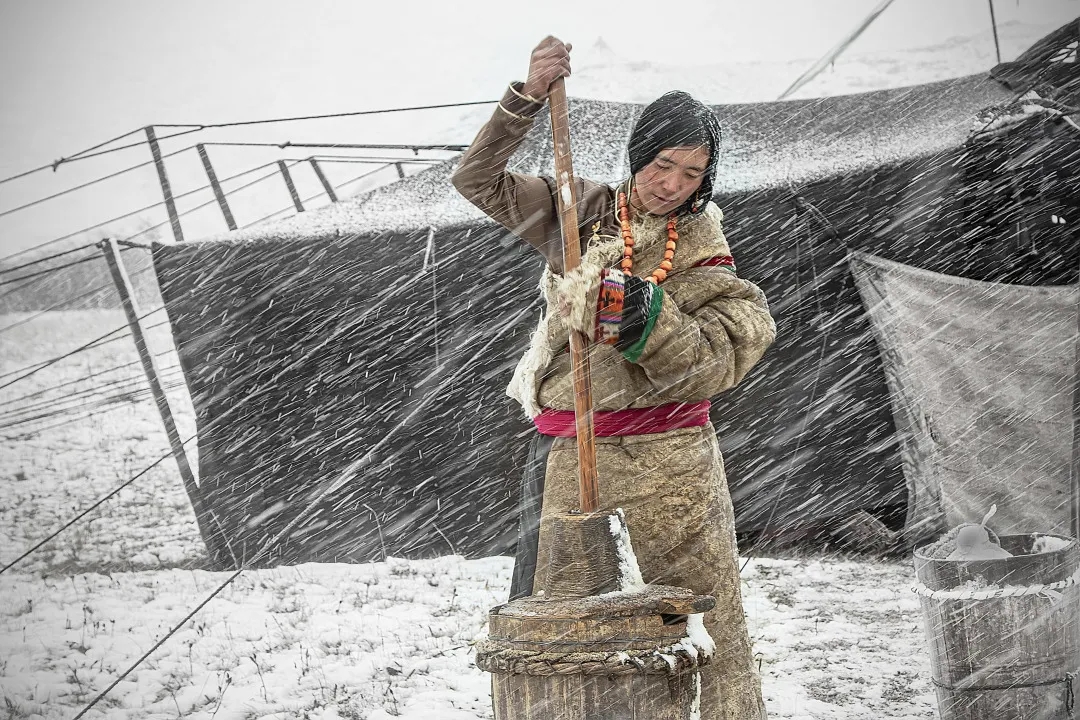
(566, 200)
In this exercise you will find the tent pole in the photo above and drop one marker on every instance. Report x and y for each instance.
(292, 188)
(111, 250)
(166, 189)
(322, 179)
(830, 57)
(993, 23)
(223, 203)
(1074, 464)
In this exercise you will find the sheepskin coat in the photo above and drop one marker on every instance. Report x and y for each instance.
(712, 327)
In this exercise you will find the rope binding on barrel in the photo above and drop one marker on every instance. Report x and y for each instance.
(1070, 694)
(1049, 590)
(493, 658)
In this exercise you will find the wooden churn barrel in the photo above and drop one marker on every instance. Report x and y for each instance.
(1004, 634)
(584, 649)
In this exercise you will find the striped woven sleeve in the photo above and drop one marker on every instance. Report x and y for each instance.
(626, 311)
(610, 306)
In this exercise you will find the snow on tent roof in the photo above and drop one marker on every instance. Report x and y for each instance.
(281, 334)
(765, 145)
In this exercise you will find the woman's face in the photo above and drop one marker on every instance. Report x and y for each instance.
(671, 178)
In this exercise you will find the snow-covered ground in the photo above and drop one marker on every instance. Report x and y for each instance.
(836, 638)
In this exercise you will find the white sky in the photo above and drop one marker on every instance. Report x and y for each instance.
(76, 73)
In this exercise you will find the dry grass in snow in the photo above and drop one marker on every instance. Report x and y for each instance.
(836, 638)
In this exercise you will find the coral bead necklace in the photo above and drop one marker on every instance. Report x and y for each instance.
(627, 264)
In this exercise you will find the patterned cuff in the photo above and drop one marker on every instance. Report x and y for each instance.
(609, 307)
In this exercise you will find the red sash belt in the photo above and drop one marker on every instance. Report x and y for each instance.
(632, 421)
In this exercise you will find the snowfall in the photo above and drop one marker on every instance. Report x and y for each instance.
(834, 637)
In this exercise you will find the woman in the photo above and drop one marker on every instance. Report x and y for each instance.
(672, 326)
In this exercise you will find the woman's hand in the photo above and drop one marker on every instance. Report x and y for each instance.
(550, 61)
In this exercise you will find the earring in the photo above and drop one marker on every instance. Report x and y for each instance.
(696, 207)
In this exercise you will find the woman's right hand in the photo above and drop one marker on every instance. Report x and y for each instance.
(550, 61)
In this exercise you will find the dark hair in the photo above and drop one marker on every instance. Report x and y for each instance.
(672, 120)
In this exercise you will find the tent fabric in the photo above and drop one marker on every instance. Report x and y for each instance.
(307, 342)
(765, 146)
(371, 391)
(1049, 67)
(981, 381)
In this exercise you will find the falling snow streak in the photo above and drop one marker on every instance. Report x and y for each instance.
(765, 145)
(985, 405)
(314, 351)
(314, 336)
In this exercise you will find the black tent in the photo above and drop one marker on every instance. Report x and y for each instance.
(357, 355)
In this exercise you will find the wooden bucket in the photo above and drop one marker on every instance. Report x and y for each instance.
(604, 657)
(1004, 634)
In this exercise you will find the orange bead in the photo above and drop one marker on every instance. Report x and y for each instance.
(660, 275)
(670, 245)
(628, 242)
(673, 235)
(665, 265)
(668, 255)
(626, 264)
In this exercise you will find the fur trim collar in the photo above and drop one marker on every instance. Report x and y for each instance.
(700, 237)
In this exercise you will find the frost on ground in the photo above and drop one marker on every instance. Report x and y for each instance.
(835, 638)
(380, 640)
(105, 431)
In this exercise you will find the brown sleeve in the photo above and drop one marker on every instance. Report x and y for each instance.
(704, 348)
(523, 204)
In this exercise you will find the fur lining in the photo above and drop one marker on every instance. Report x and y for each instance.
(700, 237)
(576, 297)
